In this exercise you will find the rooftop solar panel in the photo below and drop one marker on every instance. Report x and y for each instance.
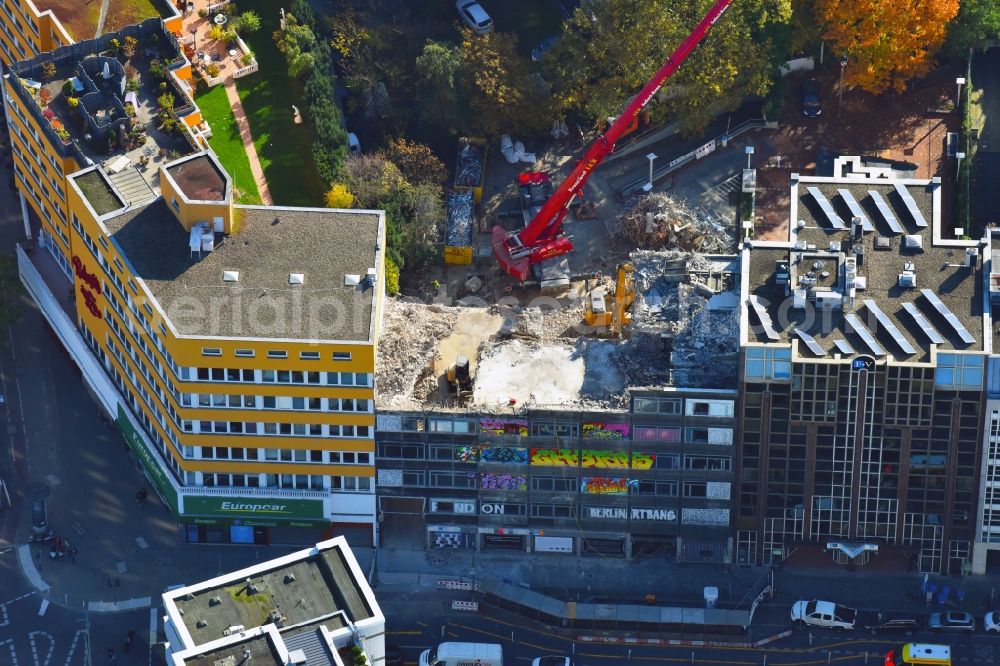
(911, 205)
(810, 342)
(949, 316)
(827, 208)
(856, 209)
(864, 334)
(765, 319)
(886, 212)
(890, 326)
(925, 326)
(844, 346)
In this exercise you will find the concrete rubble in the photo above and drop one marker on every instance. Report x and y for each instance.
(658, 221)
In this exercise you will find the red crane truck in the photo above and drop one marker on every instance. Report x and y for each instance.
(543, 238)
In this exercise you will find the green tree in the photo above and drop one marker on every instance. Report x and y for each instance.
(297, 43)
(437, 69)
(416, 161)
(977, 20)
(612, 48)
(498, 87)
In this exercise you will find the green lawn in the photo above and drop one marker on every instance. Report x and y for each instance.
(226, 142)
(284, 148)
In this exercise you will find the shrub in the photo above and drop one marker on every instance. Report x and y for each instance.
(48, 70)
(128, 48)
(57, 124)
(156, 70)
(62, 133)
(391, 277)
(216, 32)
(132, 84)
(44, 96)
(67, 87)
(116, 45)
(212, 69)
(247, 59)
(49, 114)
(166, 101)
(73, 102)
(249, 22)
(203, 12)
(338, 196)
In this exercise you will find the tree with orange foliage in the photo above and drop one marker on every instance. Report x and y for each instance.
(887, 42)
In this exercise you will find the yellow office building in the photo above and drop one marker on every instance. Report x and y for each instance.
(233, 345)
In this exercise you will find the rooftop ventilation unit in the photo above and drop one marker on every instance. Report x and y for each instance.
(883, 243)
(908, 280)
(372, 276)
(352, 280)
(235, 629)
(971, 258)
(214, 601)
(296, 278)
(230, 276)
(297, 656)
(913, 242)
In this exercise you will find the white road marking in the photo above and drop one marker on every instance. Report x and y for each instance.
(45, 607)
(72, 647)
(13, 654)
(34, 648)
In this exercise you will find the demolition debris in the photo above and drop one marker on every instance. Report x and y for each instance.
(660, 222)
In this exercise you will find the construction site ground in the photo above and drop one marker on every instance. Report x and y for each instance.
(897, 127)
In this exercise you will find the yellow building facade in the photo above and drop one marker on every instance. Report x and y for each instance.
(233, 345)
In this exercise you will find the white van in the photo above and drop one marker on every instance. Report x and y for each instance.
(463, 654)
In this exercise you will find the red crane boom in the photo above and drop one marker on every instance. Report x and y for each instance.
(541, 239)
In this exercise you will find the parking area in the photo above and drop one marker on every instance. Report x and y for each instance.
(902, 128)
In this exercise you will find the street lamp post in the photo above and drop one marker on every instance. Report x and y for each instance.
(749, 152)
(958, 97)
(648, 187)
(958, 165)
(194, 37)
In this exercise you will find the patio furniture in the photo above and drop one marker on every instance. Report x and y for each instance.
(133, 99)
(233, 53)
(119, 164)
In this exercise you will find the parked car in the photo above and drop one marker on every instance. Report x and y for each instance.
(881, 622)
(393, 656)
(551, 661)
(539, 51)
(811, 106)
(474, 16)
(823, 614)
(952, 621)
(991, 621)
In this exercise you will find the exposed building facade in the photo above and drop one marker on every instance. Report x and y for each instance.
(609, 482)
(233, 345)
(310, 607)
(862, 386)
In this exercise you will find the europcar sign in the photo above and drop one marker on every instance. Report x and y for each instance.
(267, 508)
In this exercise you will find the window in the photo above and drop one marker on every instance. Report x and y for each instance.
(552, 511)
(176, 206)
(245, 353)
(211, 351)
(277, 353)
(959, 371)
(309, 355)
(341, 356)
(768, 364)
(695, 489)
(709, 463)
(651, 405)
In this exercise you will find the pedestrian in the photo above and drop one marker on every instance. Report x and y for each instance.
(72, 554)
(436, 286)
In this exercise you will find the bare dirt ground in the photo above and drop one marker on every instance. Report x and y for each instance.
(890, 126)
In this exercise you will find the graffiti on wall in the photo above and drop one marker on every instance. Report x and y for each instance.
(468, 454)
(491, 481)
(591, 458)
(510, 455)
(504, 427)
(604, 485)
(599, 430)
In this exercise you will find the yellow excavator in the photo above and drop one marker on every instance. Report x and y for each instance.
(459, 378)
(611, 311)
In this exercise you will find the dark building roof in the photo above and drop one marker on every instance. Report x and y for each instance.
(199, 178)
(270, 244)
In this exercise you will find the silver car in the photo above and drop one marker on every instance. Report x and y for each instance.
(952, 622)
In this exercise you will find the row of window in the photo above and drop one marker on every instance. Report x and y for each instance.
(350, 484)
(277, 353)
(276, 429)
(221, 400)
(448, 479)
(316, 378)
(278, 455)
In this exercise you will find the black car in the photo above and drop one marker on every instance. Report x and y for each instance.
(881, 622)
(810, 99)
(393, 656)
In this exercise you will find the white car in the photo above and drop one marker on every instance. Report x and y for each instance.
(551, 661)
(823, 614)
(991, 621)
(474, 16)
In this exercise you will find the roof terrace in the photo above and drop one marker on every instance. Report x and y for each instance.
(125, 115)
(81, 19)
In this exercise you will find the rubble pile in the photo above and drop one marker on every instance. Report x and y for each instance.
(657, 221)
(469, 169)
(460, 218)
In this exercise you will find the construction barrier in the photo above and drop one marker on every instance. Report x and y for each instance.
(461, 256)
(453, 585)
(465, 605)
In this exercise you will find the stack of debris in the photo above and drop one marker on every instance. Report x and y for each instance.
(460, 218)
(657, 221)
(469, 167)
